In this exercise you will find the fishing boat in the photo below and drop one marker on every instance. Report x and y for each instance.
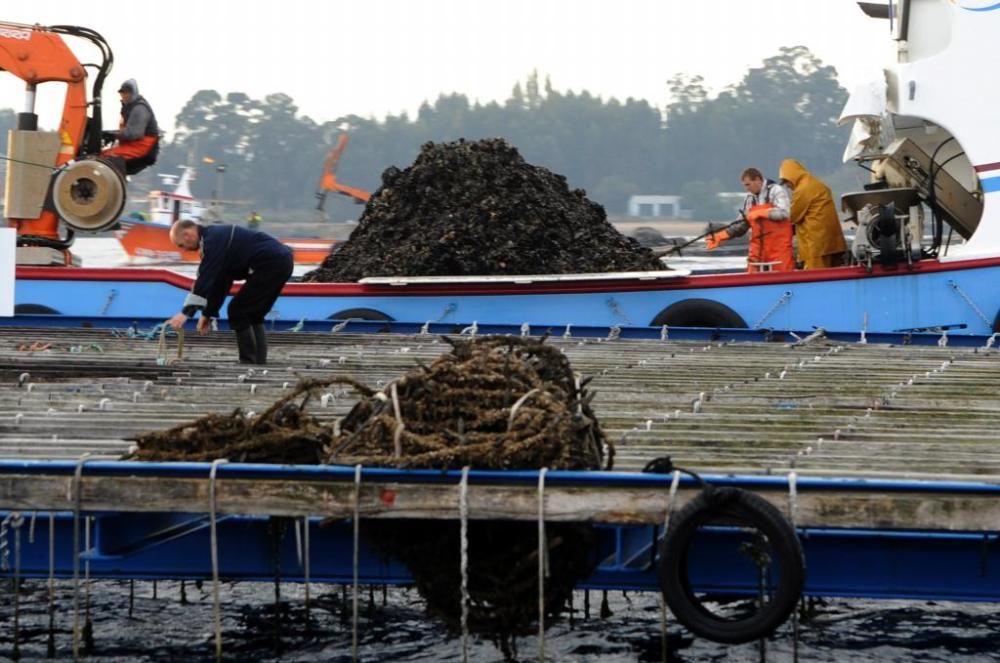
(148, 235)
(922, 127)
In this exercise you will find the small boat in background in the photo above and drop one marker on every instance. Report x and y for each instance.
(147, 235)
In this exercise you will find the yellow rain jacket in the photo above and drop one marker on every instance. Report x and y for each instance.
(817, 226)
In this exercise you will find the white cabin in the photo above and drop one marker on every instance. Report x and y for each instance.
(166, 207)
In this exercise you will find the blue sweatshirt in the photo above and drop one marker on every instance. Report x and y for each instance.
(228, 253)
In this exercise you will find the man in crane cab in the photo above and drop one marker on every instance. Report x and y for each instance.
(821, 237)
(231, 253)
(765, 214)
(138, 135)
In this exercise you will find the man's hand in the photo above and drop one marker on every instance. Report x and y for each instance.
(177, 321)
(204, 325)
(713, 240)
(109, 136)
(759, 215)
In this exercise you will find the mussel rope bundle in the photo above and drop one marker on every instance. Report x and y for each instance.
(493, 403)
(781, 553)
(283, 433)
(496, 402)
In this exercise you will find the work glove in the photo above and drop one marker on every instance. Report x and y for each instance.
(758, 215)
(713, 240)
(109, 136)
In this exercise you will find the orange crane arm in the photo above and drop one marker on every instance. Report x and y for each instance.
(328, 181)
(36, 55)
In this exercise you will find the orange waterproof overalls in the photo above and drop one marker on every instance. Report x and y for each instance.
(770, 242)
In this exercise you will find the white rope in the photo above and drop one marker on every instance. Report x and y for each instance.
(357, 553)
(52, 584)
(542, 564)
(16, 523)
(514, 408)
(87, 625)
(793, 506)
(305, 559)
(972, 304)
(463, 514)
(76, 499)
(785, 296)
(793, 496)
(671, 501)
(397, 437)
(214, 541)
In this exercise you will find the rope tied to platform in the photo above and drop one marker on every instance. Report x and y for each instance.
(161, 350)
(214, 542)
(463, 515)
(76, 496)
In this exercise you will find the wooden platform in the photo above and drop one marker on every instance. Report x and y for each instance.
(819, 408)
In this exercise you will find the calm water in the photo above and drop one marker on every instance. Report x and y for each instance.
(165, 628)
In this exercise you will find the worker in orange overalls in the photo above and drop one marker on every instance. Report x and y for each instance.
(765, 214)
(814, 214)
(138, 135)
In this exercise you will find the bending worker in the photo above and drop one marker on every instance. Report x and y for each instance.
(817, 226)
(231, 253)
(138, 135)
(765, 214)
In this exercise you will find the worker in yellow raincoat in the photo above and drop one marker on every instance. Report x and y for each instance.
(817, 226)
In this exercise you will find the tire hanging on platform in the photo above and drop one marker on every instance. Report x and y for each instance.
(731, 506)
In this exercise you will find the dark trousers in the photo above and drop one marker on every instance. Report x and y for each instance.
(259, 292)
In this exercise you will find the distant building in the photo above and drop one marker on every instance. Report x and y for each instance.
(657, 206)
(733, 199)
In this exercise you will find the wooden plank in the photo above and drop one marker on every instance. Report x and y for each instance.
(640, 505)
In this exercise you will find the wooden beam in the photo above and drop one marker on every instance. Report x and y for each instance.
(640, 505)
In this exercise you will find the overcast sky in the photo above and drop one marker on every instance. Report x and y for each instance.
(373, 57)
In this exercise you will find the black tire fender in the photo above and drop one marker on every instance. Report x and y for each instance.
(745, 509)
(699, 313)
(34, 309)
(361, 314)
(996, 323)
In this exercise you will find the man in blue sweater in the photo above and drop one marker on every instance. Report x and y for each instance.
(232, 253)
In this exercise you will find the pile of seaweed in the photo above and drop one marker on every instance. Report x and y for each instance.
(477, 208)
(493, 403)
(283, 433)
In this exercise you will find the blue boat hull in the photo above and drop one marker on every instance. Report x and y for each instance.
(960, 297)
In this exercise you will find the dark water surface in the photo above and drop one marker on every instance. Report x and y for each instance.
(164, 628)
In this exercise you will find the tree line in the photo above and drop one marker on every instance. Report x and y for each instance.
(695, 146)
